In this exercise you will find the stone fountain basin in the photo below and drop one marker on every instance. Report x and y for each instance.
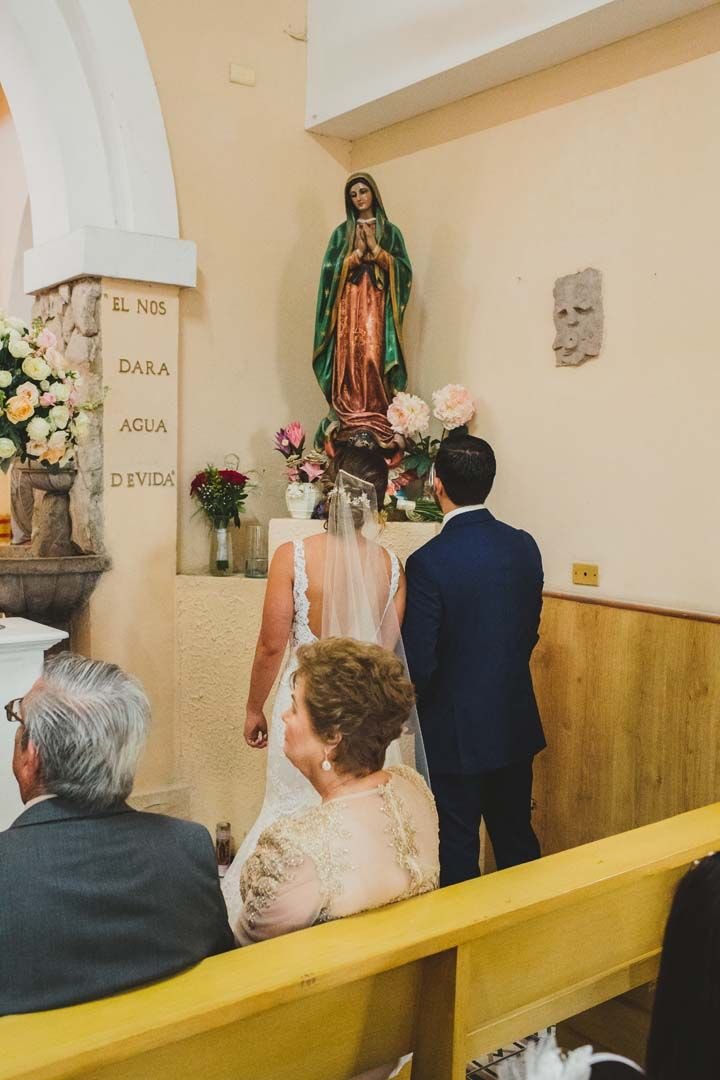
(38, 588)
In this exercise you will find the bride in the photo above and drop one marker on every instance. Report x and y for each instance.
(341, 583)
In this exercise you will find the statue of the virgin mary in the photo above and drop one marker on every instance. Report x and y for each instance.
(359, 357)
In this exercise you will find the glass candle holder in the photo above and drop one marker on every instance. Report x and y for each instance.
(256, 553)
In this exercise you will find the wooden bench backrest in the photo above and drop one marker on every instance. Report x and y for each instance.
(449, 975)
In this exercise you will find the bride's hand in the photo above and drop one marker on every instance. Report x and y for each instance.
(256, 730)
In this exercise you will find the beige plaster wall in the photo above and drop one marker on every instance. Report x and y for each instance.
(217, 621)
(13, 196)
(612, 161)
(260, 197)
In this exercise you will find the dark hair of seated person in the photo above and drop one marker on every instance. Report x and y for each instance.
(683, 1040)
(466, 467)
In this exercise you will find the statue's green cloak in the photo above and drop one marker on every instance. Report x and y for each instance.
(332, 282)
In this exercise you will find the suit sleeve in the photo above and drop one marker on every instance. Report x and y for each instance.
(538, 600)
(217, 912)
(421, 628)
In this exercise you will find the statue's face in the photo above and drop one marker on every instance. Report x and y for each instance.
(578, 317)
(361, 196)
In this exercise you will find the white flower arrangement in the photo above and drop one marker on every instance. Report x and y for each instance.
(409, 416)
(42, 416)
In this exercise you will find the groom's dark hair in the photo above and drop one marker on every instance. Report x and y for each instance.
(466, 467)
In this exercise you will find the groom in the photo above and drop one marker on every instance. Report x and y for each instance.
(474, 594)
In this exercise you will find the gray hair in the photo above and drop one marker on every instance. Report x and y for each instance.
(88, 721)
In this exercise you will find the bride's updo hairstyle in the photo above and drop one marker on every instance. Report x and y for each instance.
(359, 691)
(366, 463)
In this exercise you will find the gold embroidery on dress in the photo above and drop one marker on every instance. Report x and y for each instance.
(271, 865)
(318, 834)
(414, 777)
(282, 849)
(402, 835)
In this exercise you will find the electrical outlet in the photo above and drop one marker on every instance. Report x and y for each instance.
(584, 573)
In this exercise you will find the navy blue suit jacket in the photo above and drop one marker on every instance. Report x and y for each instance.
(471, 623)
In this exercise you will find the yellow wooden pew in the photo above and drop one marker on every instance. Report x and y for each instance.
(450, 975)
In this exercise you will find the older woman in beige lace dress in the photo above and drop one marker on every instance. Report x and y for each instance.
(374, 837)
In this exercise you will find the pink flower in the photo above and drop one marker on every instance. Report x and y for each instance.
(408, 415)
(47, 399)
(454, 406)
(72, 398)
(46, 339)
(397, 481)
(295, 434)
(290, 440)
(313, 470)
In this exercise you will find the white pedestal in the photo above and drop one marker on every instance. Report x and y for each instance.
(22, 652)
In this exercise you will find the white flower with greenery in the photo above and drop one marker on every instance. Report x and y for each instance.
(43, 416)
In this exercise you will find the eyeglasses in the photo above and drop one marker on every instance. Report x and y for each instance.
(12, 711)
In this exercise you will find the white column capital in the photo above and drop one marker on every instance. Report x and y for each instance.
(94, 252)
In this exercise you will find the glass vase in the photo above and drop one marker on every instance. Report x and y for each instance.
(256, 556)
(221, 552)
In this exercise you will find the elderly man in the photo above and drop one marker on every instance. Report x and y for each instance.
(94, 896)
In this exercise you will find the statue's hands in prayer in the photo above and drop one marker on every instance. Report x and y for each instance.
(256, 729)
(370, 237)
(360, 241)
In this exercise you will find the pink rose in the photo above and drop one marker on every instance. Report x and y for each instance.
(46, 339)
(454, 406)
(47, 399)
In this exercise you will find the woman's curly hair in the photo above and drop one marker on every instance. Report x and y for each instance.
(359, 691)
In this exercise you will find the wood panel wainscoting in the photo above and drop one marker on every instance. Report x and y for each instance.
(630, 701)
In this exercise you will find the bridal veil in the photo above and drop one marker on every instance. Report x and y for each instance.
(360, 587)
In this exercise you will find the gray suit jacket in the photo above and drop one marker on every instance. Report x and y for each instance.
(93, 902)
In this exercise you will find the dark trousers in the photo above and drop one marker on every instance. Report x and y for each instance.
(502, 798)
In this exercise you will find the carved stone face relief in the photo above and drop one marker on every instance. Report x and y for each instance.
(578, 317)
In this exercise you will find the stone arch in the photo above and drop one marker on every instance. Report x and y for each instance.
(93, 141)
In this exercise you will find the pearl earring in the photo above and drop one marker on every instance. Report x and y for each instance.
(326, 765)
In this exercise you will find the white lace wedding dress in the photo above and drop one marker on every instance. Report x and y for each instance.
(286, 789)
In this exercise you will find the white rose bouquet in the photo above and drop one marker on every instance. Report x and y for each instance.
(42, 414)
